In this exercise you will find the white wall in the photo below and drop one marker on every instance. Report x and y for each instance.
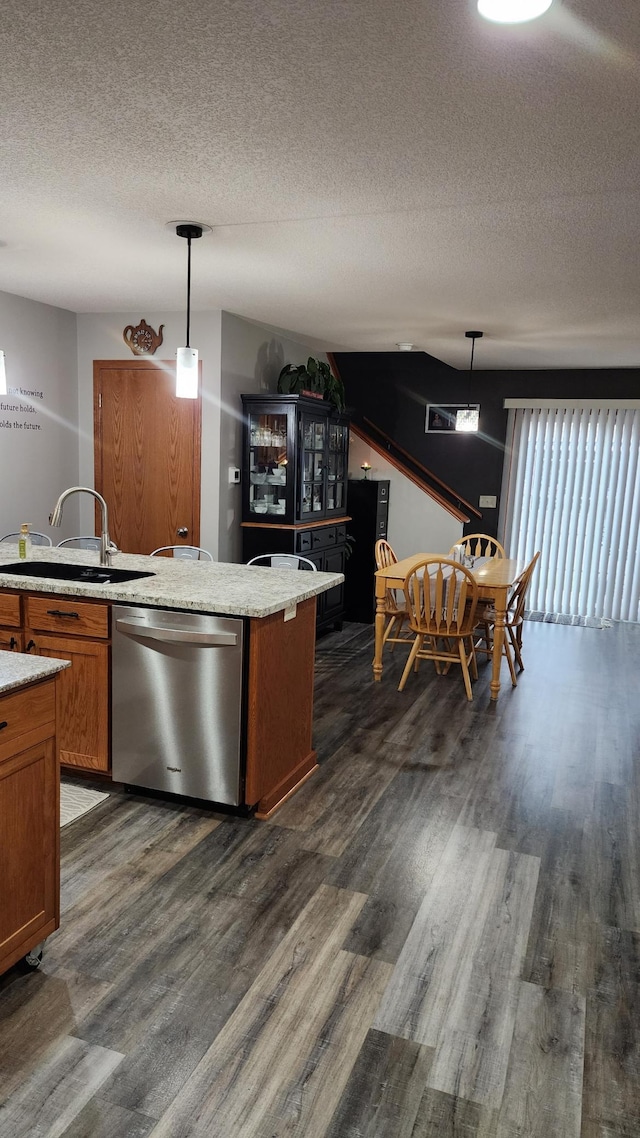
(253, 356)
(100, 338)
(38, 434)
(417, 524)
(52, 351)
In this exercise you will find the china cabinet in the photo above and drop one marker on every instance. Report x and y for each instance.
(294, 476)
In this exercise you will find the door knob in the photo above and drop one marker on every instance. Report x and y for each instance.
(182, 531)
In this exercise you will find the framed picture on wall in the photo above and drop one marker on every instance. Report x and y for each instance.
(441, 418)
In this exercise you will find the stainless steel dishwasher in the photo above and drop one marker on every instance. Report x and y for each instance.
(176, 720)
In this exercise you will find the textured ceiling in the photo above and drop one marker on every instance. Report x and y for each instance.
(373, 172)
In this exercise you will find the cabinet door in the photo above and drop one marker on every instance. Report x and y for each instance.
(337, 461)
(269, 472)
(334, 598)
(313, 451)
(82, 698)
(29, 850)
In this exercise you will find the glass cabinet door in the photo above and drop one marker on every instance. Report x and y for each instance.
(337, 468)
(312, 460)
(269, 473)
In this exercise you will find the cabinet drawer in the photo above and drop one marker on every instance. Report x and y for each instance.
(304, 541)
(324, 537)
(68, 615)
(341, 533)
(10, 609)
(26, 711)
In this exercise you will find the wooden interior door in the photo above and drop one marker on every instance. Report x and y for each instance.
(147, 454)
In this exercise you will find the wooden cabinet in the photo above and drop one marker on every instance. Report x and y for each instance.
(11, 639)
(67, 629)
(30, 813)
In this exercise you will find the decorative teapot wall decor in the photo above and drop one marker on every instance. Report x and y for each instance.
(142, 339)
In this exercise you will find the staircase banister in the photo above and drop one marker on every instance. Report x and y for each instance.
(424, 469)
(399, 465)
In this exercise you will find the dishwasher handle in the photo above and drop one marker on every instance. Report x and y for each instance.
(135, 627)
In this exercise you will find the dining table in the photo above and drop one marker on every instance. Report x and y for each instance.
(495, 576)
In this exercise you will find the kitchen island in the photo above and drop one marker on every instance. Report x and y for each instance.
(73, 619)
(29, 805)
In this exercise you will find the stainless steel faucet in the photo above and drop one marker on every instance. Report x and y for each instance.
(55, 519)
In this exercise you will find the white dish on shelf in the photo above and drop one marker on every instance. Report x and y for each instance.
(259, 508)
(258, 479)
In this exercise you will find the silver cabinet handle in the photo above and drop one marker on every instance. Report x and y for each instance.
(182, 531)
(176, 635)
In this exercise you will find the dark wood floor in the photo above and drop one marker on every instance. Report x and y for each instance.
(438, 936)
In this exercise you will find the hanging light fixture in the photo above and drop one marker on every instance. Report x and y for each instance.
(468, 418)
(187, 357)
(3, 375)
(512, 11)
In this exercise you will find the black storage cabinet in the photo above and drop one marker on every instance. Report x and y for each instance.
(294, 493)
(369, 509)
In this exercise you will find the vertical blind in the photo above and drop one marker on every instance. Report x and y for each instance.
(573, 492)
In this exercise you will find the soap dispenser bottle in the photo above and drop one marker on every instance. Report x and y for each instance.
(24, 542)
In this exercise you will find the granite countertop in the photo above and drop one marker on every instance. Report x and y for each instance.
(204, 586)
(18, 669)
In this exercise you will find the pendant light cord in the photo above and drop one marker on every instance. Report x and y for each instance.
(189, 289)
(473, 336)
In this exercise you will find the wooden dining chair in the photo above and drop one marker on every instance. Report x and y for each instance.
(479, 545)
(441, 597)
(395, 609)
(474, 546)
(513, 623)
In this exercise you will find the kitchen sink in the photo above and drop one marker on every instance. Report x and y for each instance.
(86, 574)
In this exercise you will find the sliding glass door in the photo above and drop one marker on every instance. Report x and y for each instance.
(573, 491)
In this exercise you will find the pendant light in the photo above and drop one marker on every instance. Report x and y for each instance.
(512, 11)
(3, 375)
(468, 418)
(187, 357)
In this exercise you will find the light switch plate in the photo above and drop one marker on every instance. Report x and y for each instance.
(488, 501)
(234, 476)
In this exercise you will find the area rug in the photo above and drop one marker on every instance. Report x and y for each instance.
(562, 618)
(76, 801)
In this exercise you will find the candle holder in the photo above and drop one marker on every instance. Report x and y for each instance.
(365, 467)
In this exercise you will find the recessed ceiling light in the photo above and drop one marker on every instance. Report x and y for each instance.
(512, 11)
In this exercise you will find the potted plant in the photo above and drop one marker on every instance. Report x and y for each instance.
(314, 378)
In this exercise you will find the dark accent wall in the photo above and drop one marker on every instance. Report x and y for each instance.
(392, 389)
